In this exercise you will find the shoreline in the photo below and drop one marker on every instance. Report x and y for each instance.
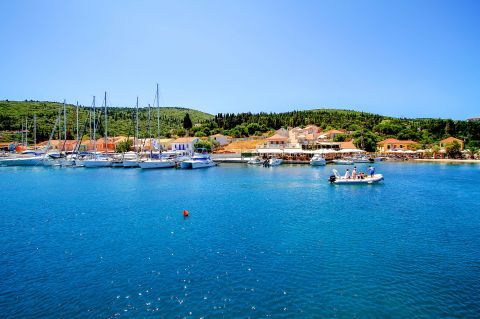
(448, 161)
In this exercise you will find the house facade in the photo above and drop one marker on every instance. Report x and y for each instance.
(222, 140)
(184, 144)
(391, 144)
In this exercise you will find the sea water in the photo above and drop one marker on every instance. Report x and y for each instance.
(260, 242)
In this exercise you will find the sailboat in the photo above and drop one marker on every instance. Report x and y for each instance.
(131, 159)
(160, 162)
(99, 160)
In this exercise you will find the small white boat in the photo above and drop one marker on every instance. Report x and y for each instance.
(130, 160)
(337, 179)
(342, 162)
(318, 160)
(362, 159)
(97, 162)
(256, 161)
(157, 163)
(275, 161)
(198, 161)
(68, 161)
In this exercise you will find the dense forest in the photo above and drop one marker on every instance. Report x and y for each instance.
(365, 129)
(121, 120)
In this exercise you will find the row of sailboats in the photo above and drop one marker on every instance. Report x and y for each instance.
(95, 159)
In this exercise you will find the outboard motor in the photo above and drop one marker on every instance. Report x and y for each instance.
(332, 179)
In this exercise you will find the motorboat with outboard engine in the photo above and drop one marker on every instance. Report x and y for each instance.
(335, 178)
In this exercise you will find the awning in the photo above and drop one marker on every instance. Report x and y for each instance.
(351, 150)
(324, 151)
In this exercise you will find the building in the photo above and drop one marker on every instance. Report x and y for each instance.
(184, 144)
(222, 140)
(391, 144)
(331, 134)
(304, 136)
(277, 141)
(347, 145)
(166, 143)
(449, 140)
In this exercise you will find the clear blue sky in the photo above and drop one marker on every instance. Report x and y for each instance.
(401, 58)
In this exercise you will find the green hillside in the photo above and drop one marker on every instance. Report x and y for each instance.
(365, 129)
(121, 120)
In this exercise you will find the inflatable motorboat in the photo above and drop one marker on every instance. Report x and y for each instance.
(337, 179)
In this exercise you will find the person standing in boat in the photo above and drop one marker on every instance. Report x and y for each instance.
(347, 174)
(371, 170)
(354, 172)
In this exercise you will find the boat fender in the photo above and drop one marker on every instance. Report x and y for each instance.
(185, 213)
(332, 179)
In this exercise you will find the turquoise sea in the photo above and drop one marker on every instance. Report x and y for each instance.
(275, 242)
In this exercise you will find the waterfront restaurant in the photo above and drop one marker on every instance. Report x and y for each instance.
(392, 144)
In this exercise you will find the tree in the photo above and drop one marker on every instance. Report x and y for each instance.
(187, 122)
(203, 144)
(124, 146)
(453, 150)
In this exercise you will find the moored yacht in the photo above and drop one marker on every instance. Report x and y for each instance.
(97, 161)
(130, 159)
(157, 163)
(318, 160)
(198, 161)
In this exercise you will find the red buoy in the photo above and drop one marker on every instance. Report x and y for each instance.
(185, 213)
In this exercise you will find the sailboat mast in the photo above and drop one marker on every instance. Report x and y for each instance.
(34, 130)
(136, 130)
(26, 131)
(90, 126)
(106, 125)
(94, 128)
(64, 125)
(76, 116)
(158, 119)
(149, 130)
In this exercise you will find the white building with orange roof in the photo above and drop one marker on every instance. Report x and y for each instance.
(277, 141)
(184, 143)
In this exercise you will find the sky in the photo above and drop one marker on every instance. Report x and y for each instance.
(400, 58)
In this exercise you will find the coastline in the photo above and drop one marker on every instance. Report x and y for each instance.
(448, 161)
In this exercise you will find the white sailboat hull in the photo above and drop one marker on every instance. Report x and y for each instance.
(26, 161)
(97, 163)
(156, 164)
(66, 162)
(130, 163)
